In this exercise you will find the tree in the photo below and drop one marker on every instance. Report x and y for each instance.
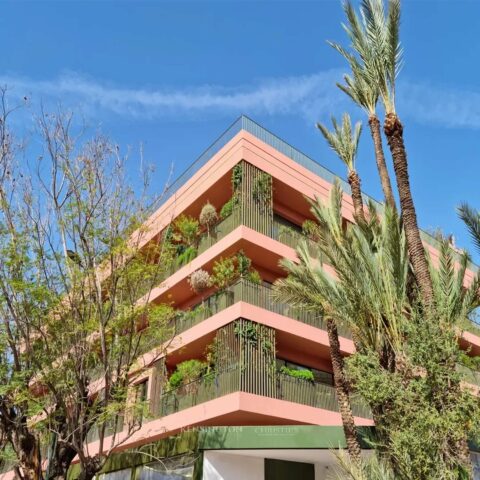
(74, 302)
(471, 218)
(377, 60)
(302, 287)
(364, 93)
(405, 366)
(344, 141)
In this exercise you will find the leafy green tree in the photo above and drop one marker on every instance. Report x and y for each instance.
(75, 313)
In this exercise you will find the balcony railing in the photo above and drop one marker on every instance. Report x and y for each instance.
(278, 231)
(260, 296)
(287, 388)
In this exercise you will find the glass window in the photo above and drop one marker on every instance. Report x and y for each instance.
(175, 468)
(125, 474)
(141, 390)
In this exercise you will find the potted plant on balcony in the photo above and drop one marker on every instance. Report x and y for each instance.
(297, 385)
(186, 232)
(183, 386)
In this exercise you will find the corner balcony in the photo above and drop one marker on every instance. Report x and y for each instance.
(275, 228)
(282, 387)
(259, 295)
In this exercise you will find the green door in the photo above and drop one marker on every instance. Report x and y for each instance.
(284, 470)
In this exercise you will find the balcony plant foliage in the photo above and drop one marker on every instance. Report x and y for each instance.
(72, 271)
(304, 374)
(186, 372)
(262, 190)
(185, 236)
(228, 270)
(234, 201)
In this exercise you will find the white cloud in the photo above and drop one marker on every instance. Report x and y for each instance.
(311, 97)
(307, 95)
(429, 104)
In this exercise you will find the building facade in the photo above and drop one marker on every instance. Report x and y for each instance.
(253, 395)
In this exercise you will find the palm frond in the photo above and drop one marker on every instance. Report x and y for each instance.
(375, 58)
(343, 140)
(369, 291)
(471, 218)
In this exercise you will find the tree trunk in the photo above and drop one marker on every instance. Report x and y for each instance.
(27, 449)
(342, 390)
(394, 132)
(354, 181)
(90, 467)
(60, 462)
(380, 158)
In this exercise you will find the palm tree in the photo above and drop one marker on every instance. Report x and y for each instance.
(365, 94)
(375, 42)
(471, 218)
(344, 141)
(370, 294)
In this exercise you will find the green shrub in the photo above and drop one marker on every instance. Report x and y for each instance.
(303, 374)
(186, 230)
(228, 207)
(254, 277)
(224, 272)
(187, 255)
(186, 372)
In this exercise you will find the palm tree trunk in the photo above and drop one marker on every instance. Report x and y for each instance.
(342, 391)
(380, 158)
(354, 181)
(394, 132)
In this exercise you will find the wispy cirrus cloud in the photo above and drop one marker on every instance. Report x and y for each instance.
(309, 96)
(304, 95)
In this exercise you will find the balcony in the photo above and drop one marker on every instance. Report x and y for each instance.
(284, 387)
(278, 230)
(258, 295)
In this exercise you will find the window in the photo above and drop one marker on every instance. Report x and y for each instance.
(285, 470)
(125, 474)
(175, 468)
(141, 390)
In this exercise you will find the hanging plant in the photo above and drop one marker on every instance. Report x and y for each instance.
(199, 281)
(208, 216)
(237, 177)
(262, 189)
(255, 335)
(248, 331)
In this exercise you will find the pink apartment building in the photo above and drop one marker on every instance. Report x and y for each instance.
(253, 417)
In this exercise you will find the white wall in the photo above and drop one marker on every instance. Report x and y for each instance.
(228, 466)
(222, 466)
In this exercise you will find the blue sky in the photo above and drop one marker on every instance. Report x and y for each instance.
(174, 75)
